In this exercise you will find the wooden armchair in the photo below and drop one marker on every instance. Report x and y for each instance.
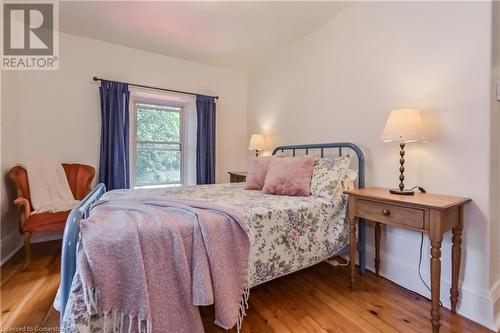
(79, 178)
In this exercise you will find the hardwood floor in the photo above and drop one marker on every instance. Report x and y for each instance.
(313, 300)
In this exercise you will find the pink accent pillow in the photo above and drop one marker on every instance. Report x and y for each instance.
(257, 171)
(289, 176)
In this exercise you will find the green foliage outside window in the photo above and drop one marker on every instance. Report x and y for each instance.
(158, 154)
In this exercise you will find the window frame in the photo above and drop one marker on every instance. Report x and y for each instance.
(181, 142)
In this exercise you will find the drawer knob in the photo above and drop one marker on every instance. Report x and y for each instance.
(386, 212)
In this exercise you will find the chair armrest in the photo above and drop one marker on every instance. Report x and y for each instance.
(24, 211)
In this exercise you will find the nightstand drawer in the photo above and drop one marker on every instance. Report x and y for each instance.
(391, 214)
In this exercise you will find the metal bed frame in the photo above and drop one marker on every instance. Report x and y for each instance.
(70, 241)
(339, 147)
(82, 211)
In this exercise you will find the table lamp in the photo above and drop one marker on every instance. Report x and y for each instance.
(403, 126)
(257, 143)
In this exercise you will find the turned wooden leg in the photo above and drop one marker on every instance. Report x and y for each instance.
(27, 248)
(377, 248)
(456, 256)
(435, 284)
(353, 247)
(435, 237)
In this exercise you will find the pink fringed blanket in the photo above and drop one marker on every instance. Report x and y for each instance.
(146, 265)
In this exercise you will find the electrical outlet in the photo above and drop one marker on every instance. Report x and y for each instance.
(498, 91)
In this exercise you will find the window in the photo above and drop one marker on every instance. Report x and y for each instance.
(158, 145)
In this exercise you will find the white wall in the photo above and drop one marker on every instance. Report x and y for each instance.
(339, 84)
(60, 115)
(495, 164)
(9, 155)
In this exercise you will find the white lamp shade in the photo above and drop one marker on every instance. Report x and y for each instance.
(403, 125)
(257, 142)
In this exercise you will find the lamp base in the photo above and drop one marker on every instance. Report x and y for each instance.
(402, 192)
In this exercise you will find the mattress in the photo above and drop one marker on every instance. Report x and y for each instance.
(286, 234)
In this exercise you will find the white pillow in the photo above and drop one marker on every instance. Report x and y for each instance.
(349, 179)
(328, 176)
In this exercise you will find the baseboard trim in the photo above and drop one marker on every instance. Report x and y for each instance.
(13, 242)
(10, 245)
(46, 237)
(473, 304)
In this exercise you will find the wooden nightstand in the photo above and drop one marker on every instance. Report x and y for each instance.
(237, 176)
(432, 214)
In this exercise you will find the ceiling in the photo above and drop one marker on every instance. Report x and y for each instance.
(237, 35)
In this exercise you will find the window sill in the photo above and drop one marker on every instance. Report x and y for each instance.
(142, 187)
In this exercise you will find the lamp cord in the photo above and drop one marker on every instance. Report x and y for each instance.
(420, 264)
(420, 188)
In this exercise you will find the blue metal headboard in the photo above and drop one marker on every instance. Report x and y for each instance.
(340, 147)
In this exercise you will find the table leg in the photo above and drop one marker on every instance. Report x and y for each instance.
(353, 247)
(456, 256)
(377, 248)
(361, 245)
(436, 240)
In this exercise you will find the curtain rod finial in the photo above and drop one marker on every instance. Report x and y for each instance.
(95, 78)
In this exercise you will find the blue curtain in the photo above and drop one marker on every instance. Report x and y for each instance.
(114, 160)
(205, 141)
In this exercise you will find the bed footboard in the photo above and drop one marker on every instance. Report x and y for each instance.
(70, 241)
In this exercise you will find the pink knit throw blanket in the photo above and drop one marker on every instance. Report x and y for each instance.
(146, 265)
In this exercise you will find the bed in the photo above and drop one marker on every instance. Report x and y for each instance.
(316, 229)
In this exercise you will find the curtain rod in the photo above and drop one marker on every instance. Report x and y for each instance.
(95, 78)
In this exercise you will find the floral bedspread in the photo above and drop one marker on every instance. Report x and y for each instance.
(287, 234)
